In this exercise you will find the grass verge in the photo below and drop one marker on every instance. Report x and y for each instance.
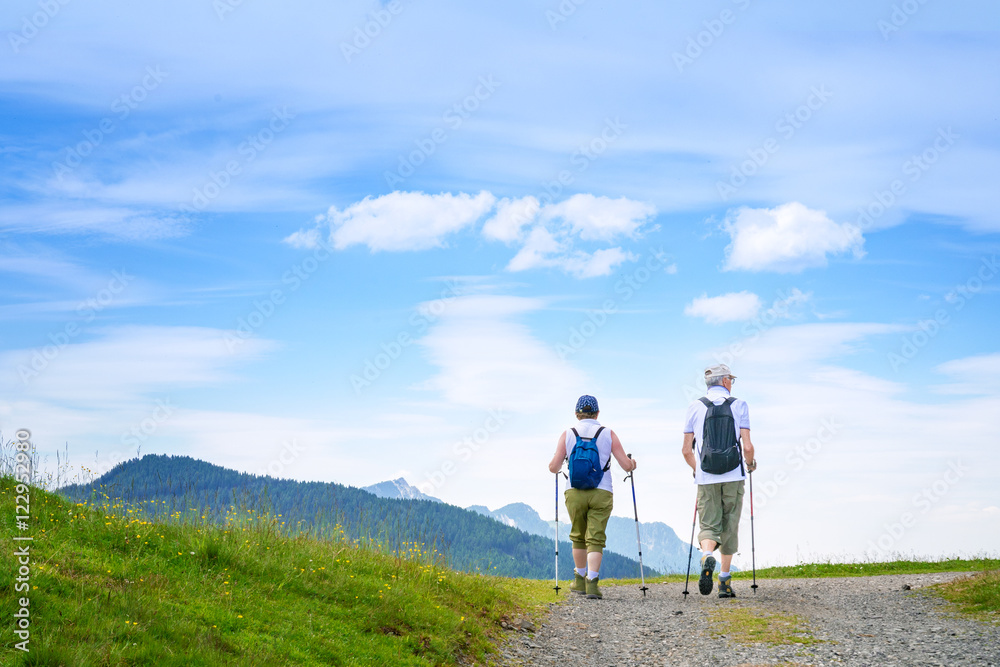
(106, 589)
(819, 570)
(815, 570)
(977, 595)
(746, 625)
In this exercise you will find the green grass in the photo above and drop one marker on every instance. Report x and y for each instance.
(745, 625)
(977, 595)
(818, 570)
(814, 570)
(108, 588)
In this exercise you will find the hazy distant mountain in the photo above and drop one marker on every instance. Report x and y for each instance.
(661, 548)
(398, 489)
(522, 516)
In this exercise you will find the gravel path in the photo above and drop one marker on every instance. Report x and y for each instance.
(858, 620)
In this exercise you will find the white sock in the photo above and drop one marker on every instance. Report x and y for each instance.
(724, 575)
(582, 571)
(706, 554)
(593, 575)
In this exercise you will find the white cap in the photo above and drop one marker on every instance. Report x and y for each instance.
(719, 370)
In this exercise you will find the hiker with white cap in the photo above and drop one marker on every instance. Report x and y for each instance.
(589, 447)
(717, 447)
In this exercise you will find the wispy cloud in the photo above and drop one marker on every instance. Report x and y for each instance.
(123, 223)
(487, 358)
(125, 364)
(732, 307)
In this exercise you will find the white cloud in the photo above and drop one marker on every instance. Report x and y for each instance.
(787, 238)
(552, 242)
(402, 221)
(511, 217)
(417, 221)
(304, 239)
(489, 360)
(536, 251)
(600, 218)
(732, 307)
(543, 250)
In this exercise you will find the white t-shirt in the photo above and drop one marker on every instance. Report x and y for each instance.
(694, 423)
(587, 428)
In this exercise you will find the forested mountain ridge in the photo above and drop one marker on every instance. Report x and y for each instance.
(164, 485)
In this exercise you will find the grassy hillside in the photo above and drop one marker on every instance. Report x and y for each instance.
(106, 590)
(163, 486)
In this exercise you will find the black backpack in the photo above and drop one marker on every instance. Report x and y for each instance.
(720, 450)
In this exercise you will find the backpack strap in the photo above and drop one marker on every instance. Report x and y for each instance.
(739, 441)
(596, 436)
(708, 404)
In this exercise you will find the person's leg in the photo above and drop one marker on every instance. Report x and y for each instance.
(732, 503)
(594, 561)
(576, 505)
(732, 508)
(726, 560)
(598, 513)
(601, 504)
(710, 516)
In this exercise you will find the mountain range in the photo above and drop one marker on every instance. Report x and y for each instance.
(161, 488)
(662, 549)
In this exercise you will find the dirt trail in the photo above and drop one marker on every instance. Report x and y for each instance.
(850, 621)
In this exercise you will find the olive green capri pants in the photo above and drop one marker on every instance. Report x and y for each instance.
(589, 510)
(719, 510)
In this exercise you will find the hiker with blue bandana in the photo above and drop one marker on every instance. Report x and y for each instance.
(588, 447)
(717, 447)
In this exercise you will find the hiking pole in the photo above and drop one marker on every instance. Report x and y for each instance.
(556, 587)
(753, 557)
(642, 576)
(687, 576)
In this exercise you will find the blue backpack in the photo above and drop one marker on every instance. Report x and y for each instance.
(585, 471)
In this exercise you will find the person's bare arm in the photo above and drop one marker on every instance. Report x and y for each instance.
(748, 455)
(627, 464)
(555, 465)
(687, 449)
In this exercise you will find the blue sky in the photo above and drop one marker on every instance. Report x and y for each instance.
(267, 239)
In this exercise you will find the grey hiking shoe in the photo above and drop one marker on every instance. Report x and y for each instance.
(725, 588)
(579, 584)
(593, 592)
(707, 569)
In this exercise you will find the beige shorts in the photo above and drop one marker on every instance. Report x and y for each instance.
(719, 510)
(589, 510)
